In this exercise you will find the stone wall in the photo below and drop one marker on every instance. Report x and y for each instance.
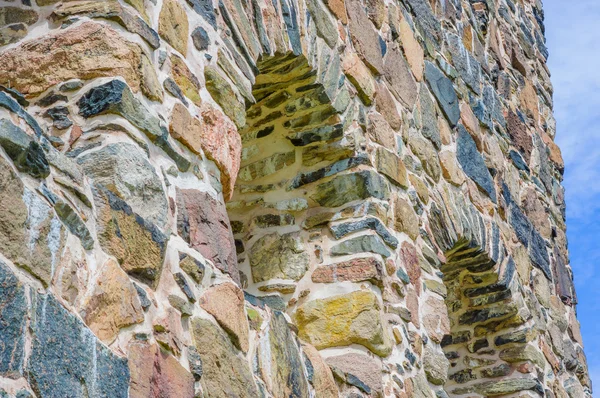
(287, 198)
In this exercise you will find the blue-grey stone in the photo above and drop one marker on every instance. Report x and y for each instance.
(67, 360)
(205, 9)
(518, 160)
(13, 319)
(346, 188)
(200, 39)
(341, 230)
(173, 89)
(426, 20)
(361, 244)
(144, 300)
(7, 102)
(520, 223)
(403, 276)
(464, 62)
(539, 254)
(429, 118)
(473, 164)
(337, 167)
(443, 90)
(27, 155)
(184, 286)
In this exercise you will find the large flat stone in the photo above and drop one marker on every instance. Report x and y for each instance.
(13, 323)
(350, 187)
(278, 256)
(473, 164)
(342, 320)
(203, 223)
(443, 90)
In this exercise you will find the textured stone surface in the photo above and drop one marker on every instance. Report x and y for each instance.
(13, 313)
(226, 303)
(444, 92)
(113, 303)
(341, 320)
(224, 372)
(112, 56)
(357, 270)
(360, 370)
(203, 223)
(472, 163)
(173, 25)
(278, 256)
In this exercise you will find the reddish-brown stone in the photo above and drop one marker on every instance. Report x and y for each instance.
(410, 262)
(364, 36)
(202, 221)
(226, 303)
(517, 129)
(157, 374)
(215, 135)
(355, 270)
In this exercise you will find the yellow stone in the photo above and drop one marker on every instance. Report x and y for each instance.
(352, 318)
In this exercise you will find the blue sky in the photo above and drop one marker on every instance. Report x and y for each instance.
(573, 38)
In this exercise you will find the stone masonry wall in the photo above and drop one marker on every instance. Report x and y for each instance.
(282, 198)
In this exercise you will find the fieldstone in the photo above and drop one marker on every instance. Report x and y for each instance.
(138, 244)
(184, 286)
(412, 49)
(473, 164)
(386, 105)
(124, 169)
(319, 373)
(205, 9)
(31, 235)
(10, 15)
(157, 374)
(12, 33)
(380, 131)
(443, 90)
(392, 166)
(435, 320)
(214, 135)
(429, 121)
(361, 244)
(67, 360)
(226, 303)
(360, 76)
(115, 97)
(351, 318)
(72, 47)
(225, 373)
(355, 270)
(110, 10)
(112, 304)
(278, 256)
(200, 39)
(465, 63)
(326, 27)
(427, 20)
(397, 73)
(361, 370)
(280, 360)
(450, 168)
(435, 365)
(185, 79)
(173, 89)
(27, 155)
(338, 8)
(192, 267)
(267, 166)
(508, 386)
(203, 223)
(374, 224)
(427, 154)
(224, 94)
(13, 323)
(346, 188)
(173, 25)
(364, 36)
(520, 136)
(420, 387)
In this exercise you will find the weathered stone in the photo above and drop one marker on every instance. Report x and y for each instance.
(517, 129)
(200, 39)
(110, 10)
(224, 372)
(436, 321)
(450, 168)
(138, 245)
(267, 166)
(278, 256)
(124, 169)
(226, 303)
(351, 318)
(364, 36)
(386, 105)
(26, 153)
(427, 20)
(325, 25)
(224, 94)
(184, 286)
(356, 270)
(67, 360)
(427, 154)
(113, 303)
(391, 166)
(361, 244)
(281, 361)
(115, 97)
(350, 187)
(412, 49)
(361, 371)
(112, 56)
(12, 33)
(319, 373)
(13, 319)
(173, 25)
(11, 15)
(338, 7)
(155, 373)
(374, 224)
(202, 221)
(473, 164)
(192, 267)
(360, 76)
(464, 62)
(380, 131)
(443, 90)
(429, 122)
(435, 365)
(397, 73)
(185, 79)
